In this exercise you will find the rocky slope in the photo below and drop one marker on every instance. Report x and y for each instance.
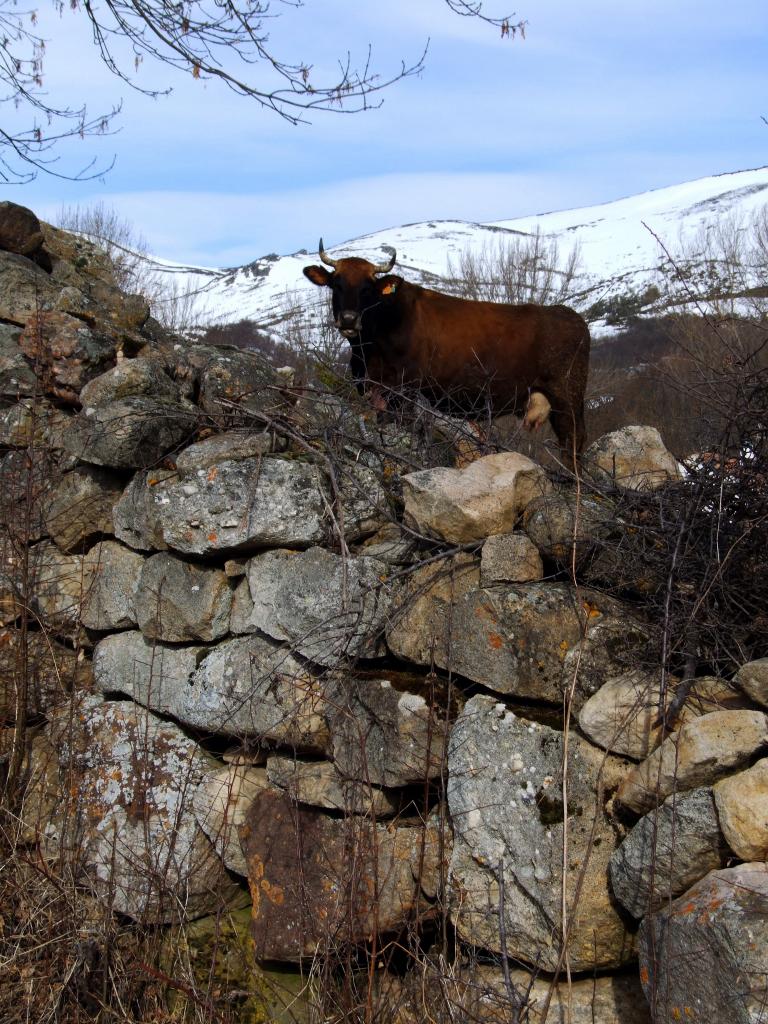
(310, 669)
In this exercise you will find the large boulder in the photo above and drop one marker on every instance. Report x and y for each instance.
(506, 804)
(705, 956)
(232, 381)
(325, 606)
(633, 458)
(25, 289)
(556, 521)
(667, 851)
(128, 821)
(514, 639)
(487, 497)
(20, 230)
(58, 584)
(129, 378)
(28, 478)
(319, 883)
(702, 751)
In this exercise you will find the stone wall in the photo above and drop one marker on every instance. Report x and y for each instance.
(283, 658)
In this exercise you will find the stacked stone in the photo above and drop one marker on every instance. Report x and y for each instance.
(247, 676)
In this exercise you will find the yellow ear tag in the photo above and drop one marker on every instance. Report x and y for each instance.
(388, 289)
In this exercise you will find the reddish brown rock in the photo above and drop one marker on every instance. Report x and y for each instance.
(319, 882)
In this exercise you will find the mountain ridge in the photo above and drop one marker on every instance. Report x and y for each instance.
(618, 243)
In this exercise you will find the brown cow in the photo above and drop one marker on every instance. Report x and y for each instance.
(468, 357)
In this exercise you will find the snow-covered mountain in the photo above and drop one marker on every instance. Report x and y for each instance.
(619, 246)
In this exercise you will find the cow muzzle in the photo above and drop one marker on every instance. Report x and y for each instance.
(349, 323)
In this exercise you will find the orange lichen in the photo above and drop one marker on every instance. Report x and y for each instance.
(213, 537)
(495, 641)
(274, 893)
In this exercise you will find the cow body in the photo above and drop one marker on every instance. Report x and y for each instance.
(468, 357)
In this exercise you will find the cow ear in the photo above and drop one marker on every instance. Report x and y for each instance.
(318, 275)
(388, 285)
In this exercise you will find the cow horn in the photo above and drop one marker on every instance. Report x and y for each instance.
(325, 257)
(384, 268)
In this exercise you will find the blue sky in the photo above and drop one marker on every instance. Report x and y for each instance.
(601, 100)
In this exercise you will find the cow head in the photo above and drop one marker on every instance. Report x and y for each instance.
(355, 287)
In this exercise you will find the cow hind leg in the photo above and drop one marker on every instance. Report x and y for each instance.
(568, 425)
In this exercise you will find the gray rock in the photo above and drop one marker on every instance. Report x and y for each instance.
(753, 680)
(231, 379)
(633, 458)
(128, 818)
(113, 574)
(136, 515)
(17, 378)
(384, 731)
(178, 601)
(391, 545)
(79, 509)
(129, 378)
(667, 851)
(230, 507)
(511, 638)
(554, 520)
(506, 805)
(231, 446)
(705, 957)
(32, 423)
(246, 686)
(327, 607)
(152, 674)
(320, 784)
(132, 433)
(24, 289)
(509, 558)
